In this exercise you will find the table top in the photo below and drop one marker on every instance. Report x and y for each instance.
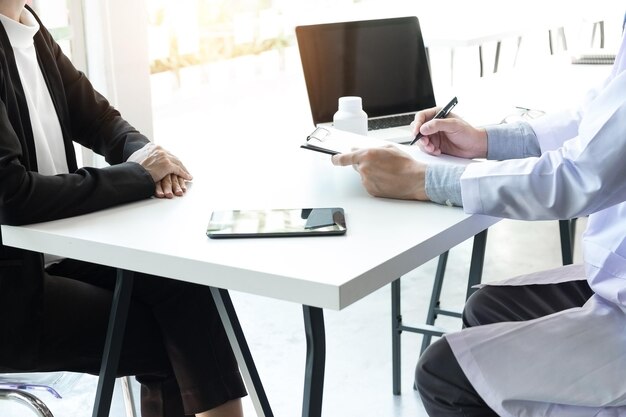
(385, 239)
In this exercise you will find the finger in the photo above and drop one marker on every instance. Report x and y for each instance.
(345, 159)
(176, 187)
(448, 125)
(182, 183)
(166, 183)
(430, 148)
(422, 117)
(426, 114)
(159, 190)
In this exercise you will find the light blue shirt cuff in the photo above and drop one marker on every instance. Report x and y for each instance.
(443, 184)
(511, 141)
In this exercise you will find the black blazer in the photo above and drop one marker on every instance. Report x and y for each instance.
(26, 197)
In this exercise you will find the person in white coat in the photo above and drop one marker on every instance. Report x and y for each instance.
(551, 343)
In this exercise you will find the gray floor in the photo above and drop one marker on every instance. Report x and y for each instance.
(358, 368)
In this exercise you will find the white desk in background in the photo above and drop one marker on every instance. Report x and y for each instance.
(385, 239)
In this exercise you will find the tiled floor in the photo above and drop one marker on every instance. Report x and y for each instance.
(236, 98)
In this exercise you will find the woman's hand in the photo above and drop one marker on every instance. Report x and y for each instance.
(170, 186)
(167, 171)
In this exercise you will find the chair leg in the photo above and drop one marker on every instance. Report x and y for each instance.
(598, 26)
(129, 398)
(602, 34)
(550, 43)
(34, 403)
(563, 38)
(497, 57)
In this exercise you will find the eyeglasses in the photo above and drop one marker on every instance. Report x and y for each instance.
(521, 114)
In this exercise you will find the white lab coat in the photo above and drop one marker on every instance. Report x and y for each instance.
(572, 363)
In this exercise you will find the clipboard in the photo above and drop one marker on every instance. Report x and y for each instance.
(333, 141)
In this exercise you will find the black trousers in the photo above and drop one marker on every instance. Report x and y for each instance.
(442, 385)
(174, 341)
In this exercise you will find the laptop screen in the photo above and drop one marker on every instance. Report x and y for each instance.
(383, 61)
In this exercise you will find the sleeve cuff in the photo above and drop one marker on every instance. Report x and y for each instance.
(443, 184)
(511, 141)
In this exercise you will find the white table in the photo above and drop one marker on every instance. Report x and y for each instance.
(385, 239)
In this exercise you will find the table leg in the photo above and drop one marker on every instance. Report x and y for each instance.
(242, 352)
(113, 343)
(396, 336)
(567, 232)
(435, 296)
(477, 262)
(315, 361)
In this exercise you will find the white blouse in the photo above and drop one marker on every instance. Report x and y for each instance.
(51, 158)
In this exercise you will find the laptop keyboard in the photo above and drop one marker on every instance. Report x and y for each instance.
(391, 121)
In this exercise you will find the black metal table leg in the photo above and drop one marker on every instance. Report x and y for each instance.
(113, 343)
(567, 232)
(315, 361)
(477, 262)
(242, 352)
(396, 333)
(435, 297)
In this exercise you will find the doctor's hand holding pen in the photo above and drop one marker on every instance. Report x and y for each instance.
(448, 135)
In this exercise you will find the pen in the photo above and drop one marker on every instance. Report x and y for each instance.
(441, 114)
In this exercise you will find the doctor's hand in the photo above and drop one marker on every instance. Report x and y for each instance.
(452, 135)
(387, 172)
(167, 171)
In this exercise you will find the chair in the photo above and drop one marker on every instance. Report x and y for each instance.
(567, 229)
(20, 388)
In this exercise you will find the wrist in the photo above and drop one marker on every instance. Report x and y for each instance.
(420, 183)
(482, 143)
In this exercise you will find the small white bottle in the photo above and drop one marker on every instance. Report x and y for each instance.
(350, 115)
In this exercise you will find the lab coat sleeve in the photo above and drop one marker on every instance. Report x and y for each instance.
(583, 176)
(554, 129)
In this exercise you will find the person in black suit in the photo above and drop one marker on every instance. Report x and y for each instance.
(55, 311)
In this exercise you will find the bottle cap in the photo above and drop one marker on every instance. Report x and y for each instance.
(350, 103)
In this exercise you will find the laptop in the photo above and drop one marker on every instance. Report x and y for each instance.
(383, 61)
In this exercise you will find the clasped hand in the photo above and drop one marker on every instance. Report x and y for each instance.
(167, 171)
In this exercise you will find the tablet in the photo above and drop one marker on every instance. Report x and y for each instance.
(277, 223)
